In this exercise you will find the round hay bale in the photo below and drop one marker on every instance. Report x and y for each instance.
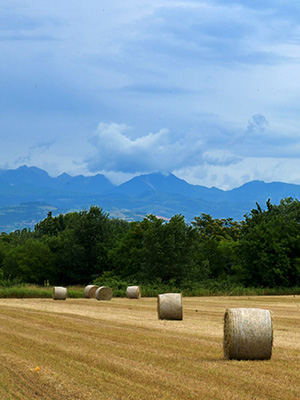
(89, 291)
(133, 292)
(169, 306)
(59, 293)
(248, 334)
(104, 293)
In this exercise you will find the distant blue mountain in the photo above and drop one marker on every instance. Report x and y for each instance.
(97, 184)
(155, 182)
(28, 193)
(261, 191)
(26, 176)
(39, 178)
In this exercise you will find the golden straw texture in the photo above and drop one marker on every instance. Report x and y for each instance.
(104, 293)
(133, 292)
(59, 293)
(89, 291)
(248, 334)
(169, 306)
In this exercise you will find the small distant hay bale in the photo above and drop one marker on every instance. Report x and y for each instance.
(59, 293)
(169, 306)
(133, 292)
(104, 293)
(89, 291)
(248, 334)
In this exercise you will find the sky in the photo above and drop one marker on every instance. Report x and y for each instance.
(207, 90)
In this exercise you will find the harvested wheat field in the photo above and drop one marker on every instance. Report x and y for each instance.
(86, 349)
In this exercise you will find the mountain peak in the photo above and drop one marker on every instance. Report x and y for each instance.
(26, 169)
(158, 193)
(155, 182)
(25, 175)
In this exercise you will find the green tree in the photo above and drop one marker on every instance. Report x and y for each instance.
(269, 248)
(154, 249)
(218, 229)
(128, 254)
(90, 236)
(216, 252)
(31, 261)
(79, 242)
(168, 249)
(51, 226)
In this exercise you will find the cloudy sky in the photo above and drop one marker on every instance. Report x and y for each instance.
(208, 90)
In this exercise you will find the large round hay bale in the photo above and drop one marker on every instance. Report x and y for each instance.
(59, 293)
(104, 293)
(133, 292)
(89, 291)
(169, 306)
(248, 334)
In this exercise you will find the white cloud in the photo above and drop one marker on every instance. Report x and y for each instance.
(248, 169)
(220, 157)
(116, 151)
(257, 124)
(152, 65)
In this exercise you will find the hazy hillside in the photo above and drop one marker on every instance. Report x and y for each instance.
(28, 193)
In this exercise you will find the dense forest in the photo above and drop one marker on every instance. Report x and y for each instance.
(82, 247)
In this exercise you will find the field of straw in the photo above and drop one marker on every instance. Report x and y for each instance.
(115, 350)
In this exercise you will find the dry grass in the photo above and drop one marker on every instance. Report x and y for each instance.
(119, 350)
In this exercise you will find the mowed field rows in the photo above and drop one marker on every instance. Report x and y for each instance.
(85, 349)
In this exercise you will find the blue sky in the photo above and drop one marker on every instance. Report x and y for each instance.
(208, 90)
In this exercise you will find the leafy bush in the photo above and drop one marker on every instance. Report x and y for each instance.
(8, 281)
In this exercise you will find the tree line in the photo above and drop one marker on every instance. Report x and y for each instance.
(263, 250)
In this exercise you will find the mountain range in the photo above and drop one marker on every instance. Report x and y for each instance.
(27, 194)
